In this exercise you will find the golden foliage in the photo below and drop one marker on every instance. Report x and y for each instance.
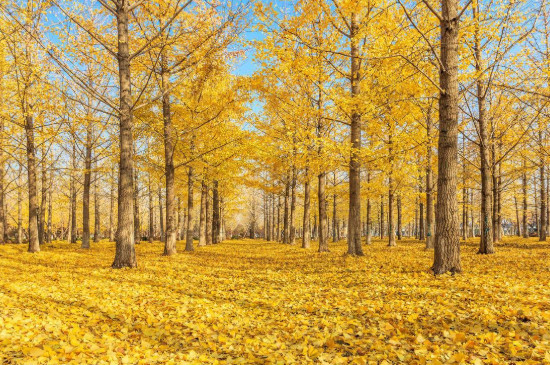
(254, 302)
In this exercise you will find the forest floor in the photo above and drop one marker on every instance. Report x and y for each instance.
(255, 302)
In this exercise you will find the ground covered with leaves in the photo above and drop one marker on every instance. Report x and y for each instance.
(244, 302)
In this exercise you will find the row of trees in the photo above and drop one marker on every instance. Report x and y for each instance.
(463, 132)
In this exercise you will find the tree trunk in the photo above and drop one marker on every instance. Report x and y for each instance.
(542, 231)
(34, 244)
(3, 227)
(74, 233)
(306, 237)
(112, 211)
(334, 220)
(292, 233)
(125, 255)
(44, 200)
(86, 188)
(216, 224)
(190, 222)
(19, 213)
(354, 220)
(391, 230)
(202, 215)
(169, 169)
(137, 223)
(286, 231)
(97, 222)
(399, 219)
(382, 217)
(524, 185)
(447, 239)
(429, 184)
(518, 230)
(323, 216)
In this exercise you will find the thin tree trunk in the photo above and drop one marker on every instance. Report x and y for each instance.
(429, 184)
(169, 169)
(97, 222)
(524, 186)
(209, 216)
(306, 237)
(335, 236)
(542, 231)
(137, 222)
(399, 219)
(19, 212)
(323, 216)
(34, 244)
(382, 217)
(161, 214)
(43, 202)
(354, 220)
(292, 226)
(286, 230)
(74, 232)
(112, 211)
(391, 230)
(86, 188)
(216, 224)
(202, 215)
(190, 222)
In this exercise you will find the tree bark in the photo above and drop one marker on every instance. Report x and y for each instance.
(399, 219)
(44, 201)
(524, 186)
(169, 169)
(292, 233)
(286, 230)
(447, 239)
(542, 231)
(97, 222)
(125, 255)
(137, 222)
(334, 220)
(86, 188)
(429, 184)
(74, 233)
(190, 222)
(323, 218)
(34, 244)
(391, 230)
(216, 224)
(202, 215)
(306, 237)
(112, 211)
(354, 220)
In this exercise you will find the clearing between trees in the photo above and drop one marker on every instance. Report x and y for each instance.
(251, 301)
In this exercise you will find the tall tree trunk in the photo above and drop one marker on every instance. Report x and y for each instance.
(399, 219)
(125, 255)
(44, 200)
(292, 226)
(34, 244)
(97, 222)
(286, 230)
(542, 231)
(306, 237)
(3, 227)
(391, 229)
(161, 215)
(354, 220)
(447, 239)
(382, 217)
(335, 237)
(323, 216)
(86, 188)
(202, 215)
(279, 218)
(190, 221)
(369, 222)
(19, 212)
(209, 216)
(524, 186)
(518, 229)
(216, 224)
(74, 233)
(421, 230)
(112, 211)
(429, 184)
(169, 169)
